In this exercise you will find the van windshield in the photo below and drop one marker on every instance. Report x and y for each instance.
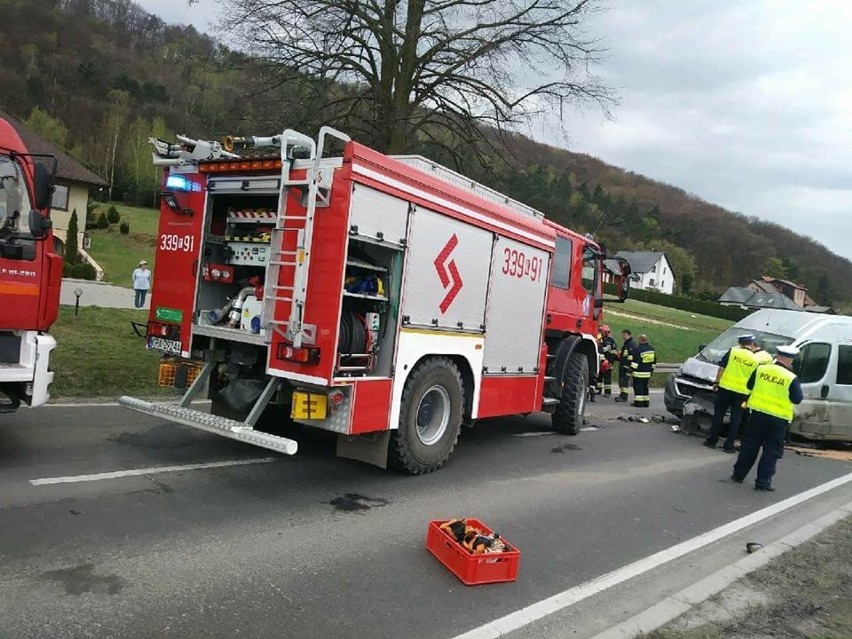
(715, 350)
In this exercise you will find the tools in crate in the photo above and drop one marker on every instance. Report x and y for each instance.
(472, 551)
(472, 538)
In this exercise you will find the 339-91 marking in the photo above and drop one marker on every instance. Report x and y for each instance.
(172, 242)
(516, 264)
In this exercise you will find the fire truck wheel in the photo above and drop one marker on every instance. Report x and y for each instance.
(430, 418)
(568, 416)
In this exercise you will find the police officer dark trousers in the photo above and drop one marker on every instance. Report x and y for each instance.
(642, 367)
(624, 361)
(774, 390)
(731, 392)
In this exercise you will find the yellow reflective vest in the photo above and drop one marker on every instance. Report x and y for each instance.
(762, 357)
(740, 366)
(771, 392)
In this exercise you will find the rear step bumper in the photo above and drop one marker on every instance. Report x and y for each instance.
(223, 426)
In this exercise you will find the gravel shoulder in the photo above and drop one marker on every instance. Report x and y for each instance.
(804, 593)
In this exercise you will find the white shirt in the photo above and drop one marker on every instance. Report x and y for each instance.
(141, 279)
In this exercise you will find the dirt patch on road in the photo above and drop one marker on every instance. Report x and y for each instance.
(803, 593)
(824, 453)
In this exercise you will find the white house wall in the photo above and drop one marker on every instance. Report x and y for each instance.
(663, 278)
(78, 198)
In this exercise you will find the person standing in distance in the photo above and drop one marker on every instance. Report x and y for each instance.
(734, 371)
(774, 390)
(624, 356)
(642, 366)
(141, 283)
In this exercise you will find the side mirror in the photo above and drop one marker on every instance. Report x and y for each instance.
(39, 225)
(701, 347)
(43, 187)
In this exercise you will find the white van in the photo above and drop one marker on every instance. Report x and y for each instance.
(824, 367)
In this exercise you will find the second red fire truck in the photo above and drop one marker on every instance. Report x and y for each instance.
(386, 299)
(30, 273)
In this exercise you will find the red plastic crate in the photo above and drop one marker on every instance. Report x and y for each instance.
(471, 569)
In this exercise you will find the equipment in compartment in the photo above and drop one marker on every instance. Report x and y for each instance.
(247, 236)
(218, 273)
(252, 308)
(243, 311)
(248, 253)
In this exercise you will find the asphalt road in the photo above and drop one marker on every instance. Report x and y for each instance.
(315, 546)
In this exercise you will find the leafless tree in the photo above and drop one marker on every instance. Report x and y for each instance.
(446, 72)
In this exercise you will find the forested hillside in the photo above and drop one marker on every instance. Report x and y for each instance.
(101, 76)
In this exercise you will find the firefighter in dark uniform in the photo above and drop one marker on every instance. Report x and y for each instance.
(642, 368)
(608, 353)
(624, 357)
(734, 371)
(774, 390)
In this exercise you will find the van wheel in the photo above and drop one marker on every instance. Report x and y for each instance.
(430, 418)
(568, 416)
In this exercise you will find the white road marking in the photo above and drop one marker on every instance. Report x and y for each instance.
(525, 616)
(148, 471)
(588, 428)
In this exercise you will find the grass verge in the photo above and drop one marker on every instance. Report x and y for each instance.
(805, 593)
(674, 334)
(99, 355)
(119, 254)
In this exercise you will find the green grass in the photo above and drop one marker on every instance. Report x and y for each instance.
(142, 220)
(99, 355)
(119, 254)
(673, 344)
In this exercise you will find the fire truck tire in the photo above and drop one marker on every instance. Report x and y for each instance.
(430, 418)
(568, 416)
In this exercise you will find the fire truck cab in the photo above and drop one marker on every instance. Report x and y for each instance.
(389, 300)
(30, 274)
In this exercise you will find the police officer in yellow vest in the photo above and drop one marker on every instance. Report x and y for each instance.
(734, 370)
(774, 389)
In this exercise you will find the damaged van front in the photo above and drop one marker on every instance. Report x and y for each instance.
(824, 367)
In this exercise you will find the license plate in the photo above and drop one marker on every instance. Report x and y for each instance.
(167, 345)
(309, 405)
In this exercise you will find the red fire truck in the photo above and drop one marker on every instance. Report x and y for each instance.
(30, 274)
(386, 299)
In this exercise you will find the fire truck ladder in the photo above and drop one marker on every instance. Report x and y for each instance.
(300, 258)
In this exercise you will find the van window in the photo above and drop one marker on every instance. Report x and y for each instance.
(844, 366)
(562, 263)
(812, 362)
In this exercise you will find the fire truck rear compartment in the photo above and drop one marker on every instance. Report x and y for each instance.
(235, 303)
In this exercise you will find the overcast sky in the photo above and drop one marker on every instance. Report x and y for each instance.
(746, 103)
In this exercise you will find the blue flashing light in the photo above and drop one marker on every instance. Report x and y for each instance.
(181, 183)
